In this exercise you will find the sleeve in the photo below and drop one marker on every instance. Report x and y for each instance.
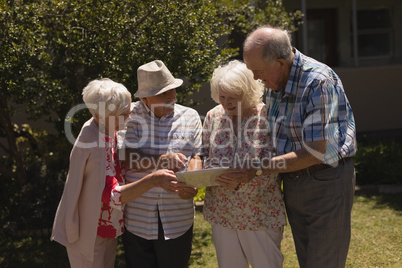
(206, 134)
(319, 112)
(78, 159)
(112, 193)
(197, 138)
(268, 150)
(130, 137)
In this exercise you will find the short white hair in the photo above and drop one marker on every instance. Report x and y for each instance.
(236, 79)
(106, 97)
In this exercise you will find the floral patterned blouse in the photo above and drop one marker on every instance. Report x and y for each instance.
(111, 223)
(256, 205)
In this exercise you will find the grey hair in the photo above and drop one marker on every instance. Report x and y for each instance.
(275, 43)
(235, 78)
(106, 97)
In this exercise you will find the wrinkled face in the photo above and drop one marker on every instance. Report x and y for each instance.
(273, 77)
(121, 120)
(232, 103)
(162, 104)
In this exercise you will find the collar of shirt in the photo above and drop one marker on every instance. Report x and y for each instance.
(296, 66)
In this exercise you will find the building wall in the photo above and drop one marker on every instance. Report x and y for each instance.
(375, 94)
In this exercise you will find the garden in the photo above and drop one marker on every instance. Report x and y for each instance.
(376, 234)
(51, 49)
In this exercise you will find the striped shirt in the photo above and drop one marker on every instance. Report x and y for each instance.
(313, 107)
(177, 132)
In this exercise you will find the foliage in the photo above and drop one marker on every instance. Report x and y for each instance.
(32, 206)
(200, 195)
(92, 39)
(246, 15)
(21, 50)
(52, 48)
(378, 163)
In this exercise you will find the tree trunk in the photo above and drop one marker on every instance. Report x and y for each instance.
(13, 149)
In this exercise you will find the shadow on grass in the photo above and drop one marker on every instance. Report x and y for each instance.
(393, 201)
(200, 241)
(30, 252)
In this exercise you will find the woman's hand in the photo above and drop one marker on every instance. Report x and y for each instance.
(167, 180)
(187, 192)
(232, 178)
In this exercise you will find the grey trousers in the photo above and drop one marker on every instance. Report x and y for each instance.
(319, 212)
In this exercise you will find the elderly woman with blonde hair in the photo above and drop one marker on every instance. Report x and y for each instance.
(89, 217)
(246, 209)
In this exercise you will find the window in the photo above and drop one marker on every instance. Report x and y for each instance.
(374, 33)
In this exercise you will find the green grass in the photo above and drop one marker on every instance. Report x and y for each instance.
(376, 241)
(203, 253)
(376, 232)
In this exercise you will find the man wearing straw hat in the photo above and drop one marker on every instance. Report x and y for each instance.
(160, 135)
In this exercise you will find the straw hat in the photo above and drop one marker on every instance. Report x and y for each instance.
(154, 78)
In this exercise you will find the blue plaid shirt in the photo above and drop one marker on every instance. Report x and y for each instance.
(313, 107)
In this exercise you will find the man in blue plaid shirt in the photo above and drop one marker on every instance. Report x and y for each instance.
(313, 131)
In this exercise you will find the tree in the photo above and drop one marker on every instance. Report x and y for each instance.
(19, 52)
(52, 48)
(243, 16)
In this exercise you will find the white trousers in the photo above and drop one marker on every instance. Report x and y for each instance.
(238, 249)
(104, 255)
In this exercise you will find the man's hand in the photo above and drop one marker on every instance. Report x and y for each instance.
(173, 161)
(195, 163)
(137, 160)
(187, 192)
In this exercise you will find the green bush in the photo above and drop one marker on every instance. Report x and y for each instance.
(33, 206)
(200, 195)
(378, 163)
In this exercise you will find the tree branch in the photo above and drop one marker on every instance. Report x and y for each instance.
(2, 146)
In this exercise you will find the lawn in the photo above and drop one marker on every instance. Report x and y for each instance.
(376, 241)
(376, 236)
